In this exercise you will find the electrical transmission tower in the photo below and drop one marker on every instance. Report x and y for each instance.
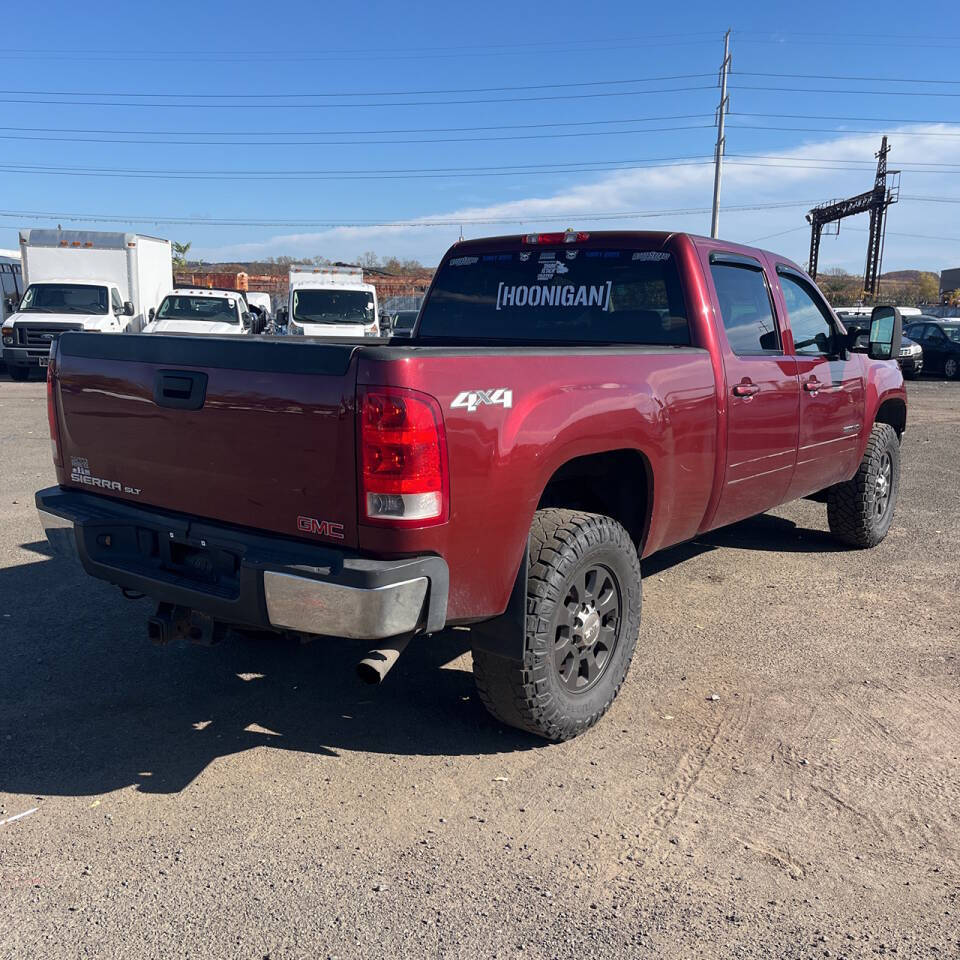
(874, 202)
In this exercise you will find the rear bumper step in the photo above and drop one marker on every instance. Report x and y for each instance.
(245, 578)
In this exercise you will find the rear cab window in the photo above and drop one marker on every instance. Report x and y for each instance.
(562, 293)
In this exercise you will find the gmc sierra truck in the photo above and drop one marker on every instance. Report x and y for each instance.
(569, 404)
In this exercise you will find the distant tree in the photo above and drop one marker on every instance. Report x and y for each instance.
(929, 288)
(369, 259)
(180, 251)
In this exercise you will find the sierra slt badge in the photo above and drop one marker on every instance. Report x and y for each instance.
(80, 473)
(472, 399)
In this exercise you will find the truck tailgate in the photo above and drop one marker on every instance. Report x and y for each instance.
(255, 432)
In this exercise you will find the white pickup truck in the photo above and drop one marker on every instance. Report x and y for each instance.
(332, 302)
(82, 280)
(216, 313)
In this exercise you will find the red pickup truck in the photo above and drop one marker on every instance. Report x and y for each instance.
(569, 403)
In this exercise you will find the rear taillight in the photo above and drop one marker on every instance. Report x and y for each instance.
(403, 458)
(52, 418)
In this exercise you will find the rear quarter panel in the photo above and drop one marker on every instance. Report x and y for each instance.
(566, 403)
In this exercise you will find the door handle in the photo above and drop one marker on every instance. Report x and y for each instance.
(745, 389)
(812, 385)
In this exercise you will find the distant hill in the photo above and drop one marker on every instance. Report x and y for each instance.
(909, 276)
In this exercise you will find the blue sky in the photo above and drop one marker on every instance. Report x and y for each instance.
(353, 100)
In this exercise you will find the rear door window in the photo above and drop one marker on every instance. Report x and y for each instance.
(566, 295)
(746, 309)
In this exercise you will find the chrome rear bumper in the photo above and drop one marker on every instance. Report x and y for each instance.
(274, 583)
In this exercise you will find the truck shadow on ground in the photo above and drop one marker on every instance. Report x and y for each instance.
(765, 533)
(89, 705)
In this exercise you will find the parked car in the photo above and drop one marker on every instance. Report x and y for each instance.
(220, 313)
(403, 323)
(574, 402)
(940, 341)
(911, 354)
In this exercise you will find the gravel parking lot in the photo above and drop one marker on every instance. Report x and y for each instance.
(779, 777)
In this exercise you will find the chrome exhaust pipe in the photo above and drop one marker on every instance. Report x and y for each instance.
(374, 667)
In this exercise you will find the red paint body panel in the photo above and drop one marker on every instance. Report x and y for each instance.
(267, 448)
(263, 450)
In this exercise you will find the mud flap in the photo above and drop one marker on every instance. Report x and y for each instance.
(504, 636)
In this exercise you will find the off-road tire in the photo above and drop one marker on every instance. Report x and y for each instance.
(20, 374)
(529, 692)
(853, 507)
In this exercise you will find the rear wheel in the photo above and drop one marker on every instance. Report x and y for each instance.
(19, 373)
(860, 510)
(951, 368)
(583, 617)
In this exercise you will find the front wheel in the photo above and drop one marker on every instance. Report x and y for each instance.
(860, 510)
(583, 618)
(951, 368)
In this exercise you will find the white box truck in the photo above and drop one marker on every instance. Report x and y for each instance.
(332, 302)
(82, 280)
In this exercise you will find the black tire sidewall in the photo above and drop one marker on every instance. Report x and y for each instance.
(879, 526)
(580, 709)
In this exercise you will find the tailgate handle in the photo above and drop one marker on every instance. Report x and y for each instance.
(180, 389)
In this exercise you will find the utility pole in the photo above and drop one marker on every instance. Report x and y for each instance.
(722, 111)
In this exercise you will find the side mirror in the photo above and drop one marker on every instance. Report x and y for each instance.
(886, 333)
(281, 317)
(128, 310)
(247, 318)
(151, 313)
(10, 305)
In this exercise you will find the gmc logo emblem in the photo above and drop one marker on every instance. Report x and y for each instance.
(322, 528)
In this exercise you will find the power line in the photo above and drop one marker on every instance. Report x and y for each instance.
(365, 93)
(867, 93)
(511, 170)
(815, 116)
(600, 166)
(863, 164)
(849, 133)
(914, 236)
(782, 233)
(322, 106)
(829, 76)
(339, 143)
(519, 45)
(340, 55)
(571, 216)
(332, 133)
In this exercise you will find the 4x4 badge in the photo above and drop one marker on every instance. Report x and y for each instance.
(472, 399)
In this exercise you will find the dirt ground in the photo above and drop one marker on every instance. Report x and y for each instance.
(252, 800)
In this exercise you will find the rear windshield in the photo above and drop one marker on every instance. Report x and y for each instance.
(211, 309)
(560, 294)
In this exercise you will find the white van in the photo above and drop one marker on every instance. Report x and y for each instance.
(216, 313)
(332, 302)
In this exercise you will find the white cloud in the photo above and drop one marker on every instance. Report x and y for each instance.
(748, 178)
